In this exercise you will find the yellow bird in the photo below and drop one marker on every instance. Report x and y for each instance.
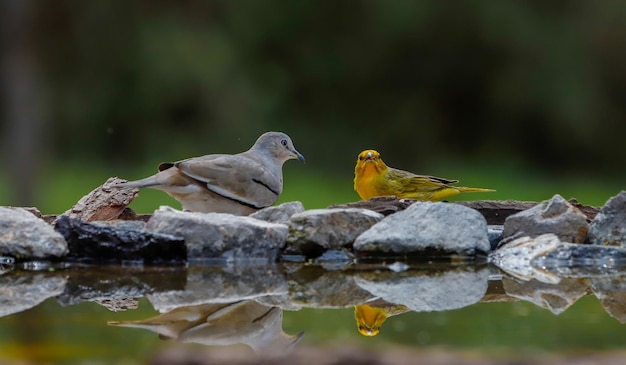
(372, 177)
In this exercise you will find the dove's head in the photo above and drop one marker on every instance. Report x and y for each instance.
(278, 145)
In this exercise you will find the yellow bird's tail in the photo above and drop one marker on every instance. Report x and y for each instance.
(472, 190)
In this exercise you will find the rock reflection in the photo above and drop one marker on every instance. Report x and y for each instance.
(435, 289)
(245, 322)
(228, 304)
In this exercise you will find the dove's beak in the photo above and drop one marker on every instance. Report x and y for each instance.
(298, 155)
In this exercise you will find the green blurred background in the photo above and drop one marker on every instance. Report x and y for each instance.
(523, 97)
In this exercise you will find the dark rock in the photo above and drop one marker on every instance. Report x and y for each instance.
(104, 243)
(494, 233)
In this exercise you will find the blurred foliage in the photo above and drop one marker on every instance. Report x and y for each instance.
(429, 84)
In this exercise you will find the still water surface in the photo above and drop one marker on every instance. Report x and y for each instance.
(75, 314)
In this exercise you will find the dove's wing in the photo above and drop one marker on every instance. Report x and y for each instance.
(235, 177)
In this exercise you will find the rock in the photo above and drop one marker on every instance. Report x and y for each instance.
(22, 292)
(220, 235)
(515, 257)
(280, 213)
(122, 242)
(609, 226)
(317, 230)
(427, 228)
(555, 216)
(556, 298)
(431, 291)
(24, 236)
(611, 292)
(103, 203)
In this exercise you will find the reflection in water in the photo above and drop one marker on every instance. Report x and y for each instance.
(240, 304)
(245, 322)
(370, 317)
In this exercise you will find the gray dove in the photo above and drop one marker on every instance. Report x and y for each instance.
(239, 184)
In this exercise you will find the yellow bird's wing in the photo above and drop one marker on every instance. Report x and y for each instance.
(405, 184)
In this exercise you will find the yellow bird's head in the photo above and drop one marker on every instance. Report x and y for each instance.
(369, 169)
(368, 159)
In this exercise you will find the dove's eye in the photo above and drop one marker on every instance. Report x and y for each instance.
(283, 142)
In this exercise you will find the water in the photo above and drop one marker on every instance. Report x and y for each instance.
(68, 315)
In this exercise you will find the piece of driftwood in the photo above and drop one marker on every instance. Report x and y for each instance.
(103, 203)
(494, 211)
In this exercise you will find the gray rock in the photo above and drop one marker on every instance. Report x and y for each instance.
(218, 235)
(22, 292)
(317, 230)
(280, 213)
(25, 236)
(555, 216)
(556, 298)
(611, 292)
(608, 228)
(436, 291)
(433, 228)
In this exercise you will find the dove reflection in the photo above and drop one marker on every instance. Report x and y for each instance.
(243, 322)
